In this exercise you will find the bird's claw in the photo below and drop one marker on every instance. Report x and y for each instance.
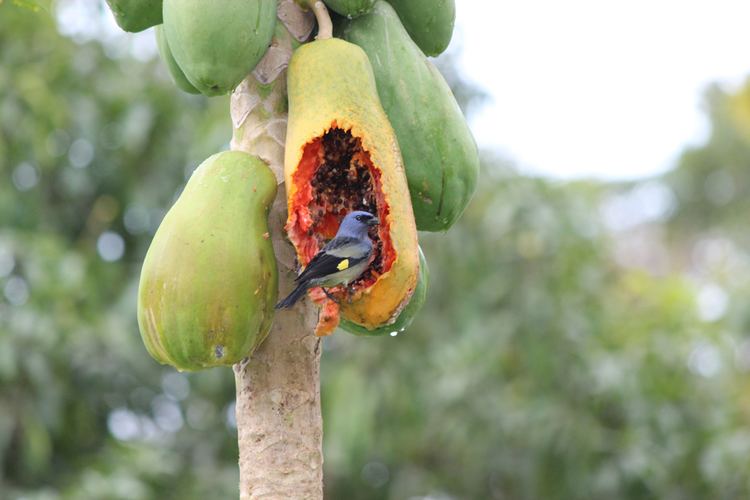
(330, 296)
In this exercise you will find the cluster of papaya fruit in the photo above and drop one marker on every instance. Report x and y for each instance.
(209, 46)
(372, 126)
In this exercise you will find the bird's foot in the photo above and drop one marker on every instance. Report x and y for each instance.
(330, 296)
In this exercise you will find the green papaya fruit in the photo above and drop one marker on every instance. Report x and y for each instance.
(178, 76)
(405, 318)
(429, 22)
(439, 152)
(218, 42)
(350, 8)
(209, 282)
(136, 15)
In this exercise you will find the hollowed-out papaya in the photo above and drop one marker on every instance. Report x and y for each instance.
(342, 155)
(350, 8)
(136, 15)
(175, 71)
(209, 280)
(406, 317)
(429, 22)
(218, 42)
(439, 152)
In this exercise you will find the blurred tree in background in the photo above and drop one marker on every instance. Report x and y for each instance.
(580, 340)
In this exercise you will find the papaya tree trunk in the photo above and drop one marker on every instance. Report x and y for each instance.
(279, 424)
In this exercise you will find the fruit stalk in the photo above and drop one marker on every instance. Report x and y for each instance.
(279, 424)
(325, 26)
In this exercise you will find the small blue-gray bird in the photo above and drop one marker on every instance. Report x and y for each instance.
(341, 261)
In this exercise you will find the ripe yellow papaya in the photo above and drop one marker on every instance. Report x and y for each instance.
(406, 317)
(178, 76)
(136, 15)
(342, 155)
(209, 281)
(439, 151)
(350, 8)
(429, 22)
(218, 42)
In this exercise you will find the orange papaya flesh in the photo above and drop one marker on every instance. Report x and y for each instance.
(328, 318)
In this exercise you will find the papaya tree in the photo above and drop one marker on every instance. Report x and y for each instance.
(323, 126)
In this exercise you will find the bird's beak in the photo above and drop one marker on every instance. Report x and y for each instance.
(373, 222)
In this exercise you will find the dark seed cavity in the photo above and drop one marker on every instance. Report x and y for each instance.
(341, 184)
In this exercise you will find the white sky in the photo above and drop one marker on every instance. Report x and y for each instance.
(603, 88)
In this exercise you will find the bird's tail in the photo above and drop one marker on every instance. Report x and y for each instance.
(293, 297)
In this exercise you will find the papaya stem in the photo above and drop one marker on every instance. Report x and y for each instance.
(325, 26)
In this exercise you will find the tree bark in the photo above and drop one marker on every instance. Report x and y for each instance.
(279, 424)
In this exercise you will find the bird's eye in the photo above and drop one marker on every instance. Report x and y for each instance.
(360, 218)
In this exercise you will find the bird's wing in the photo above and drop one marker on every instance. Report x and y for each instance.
(338, 255)
(343, 246)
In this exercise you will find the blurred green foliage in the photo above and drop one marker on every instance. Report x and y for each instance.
(576, 343)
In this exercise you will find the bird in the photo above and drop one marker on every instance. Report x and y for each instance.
(341, 261)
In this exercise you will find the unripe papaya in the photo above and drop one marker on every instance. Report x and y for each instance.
(429, 22)
(342, 155)
(350, 8)
(136, 15)
(406, 317)
(178, 76)
(209, 281)
(218, 42)
(439, 151)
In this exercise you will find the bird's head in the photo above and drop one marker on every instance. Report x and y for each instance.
(357, 223)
